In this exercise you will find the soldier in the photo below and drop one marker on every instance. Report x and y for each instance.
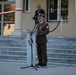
(37, 12)
(41, 40)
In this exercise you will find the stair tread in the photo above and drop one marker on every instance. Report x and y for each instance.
(59, 50)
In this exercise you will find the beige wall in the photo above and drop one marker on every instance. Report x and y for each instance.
(28, 22)
(7, 31)
(69, 28)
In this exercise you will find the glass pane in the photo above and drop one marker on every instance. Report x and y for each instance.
(64, 14)
(26, 5)
(52, 10)
(9, 16)
(53, 15)
(64, 9)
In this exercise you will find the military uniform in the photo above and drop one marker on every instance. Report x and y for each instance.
(41, 40)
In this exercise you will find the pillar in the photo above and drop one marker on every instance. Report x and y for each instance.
(18, 17)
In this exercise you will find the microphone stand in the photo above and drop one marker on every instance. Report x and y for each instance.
(31, 42)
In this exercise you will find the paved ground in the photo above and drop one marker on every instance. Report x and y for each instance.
(7, 68)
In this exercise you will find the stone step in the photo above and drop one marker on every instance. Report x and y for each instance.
(11, 58)
(13, 45)
(61, 39)
(59, 50)
(21, 53)
(13, 40)
(61, 42)
(13, 49)
(61, 47)
(62, 51)
(64, 63)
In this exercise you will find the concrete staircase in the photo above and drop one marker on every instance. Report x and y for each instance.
(61, 51)
(13, 48)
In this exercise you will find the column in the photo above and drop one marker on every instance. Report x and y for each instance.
(18, 17)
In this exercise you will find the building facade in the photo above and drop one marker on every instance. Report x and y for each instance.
(55, 10)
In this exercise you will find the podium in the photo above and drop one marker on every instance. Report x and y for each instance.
(30, 48)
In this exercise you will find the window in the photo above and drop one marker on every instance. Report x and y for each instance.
(26, 5)
(3, 0)
(57, 9)
(9, 16)
(7, 19)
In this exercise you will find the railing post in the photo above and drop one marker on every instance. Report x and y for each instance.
(61, 29)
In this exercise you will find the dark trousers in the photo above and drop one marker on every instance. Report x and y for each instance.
(41, 52)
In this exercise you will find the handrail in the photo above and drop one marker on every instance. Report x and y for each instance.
(55, 27)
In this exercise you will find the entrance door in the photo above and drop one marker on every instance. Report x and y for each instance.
(6, 18)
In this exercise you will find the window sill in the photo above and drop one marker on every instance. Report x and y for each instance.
(57, 21)
(27, 12)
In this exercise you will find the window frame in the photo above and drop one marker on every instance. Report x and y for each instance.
(26, 6)
(58, 11)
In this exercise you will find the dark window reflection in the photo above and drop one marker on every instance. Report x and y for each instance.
(3, 0)
(0, 28)
(0, 11)
(26, 5)
(53, 10)
(64, 9)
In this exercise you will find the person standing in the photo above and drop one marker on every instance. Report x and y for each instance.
(41, 40)
(37, 12)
